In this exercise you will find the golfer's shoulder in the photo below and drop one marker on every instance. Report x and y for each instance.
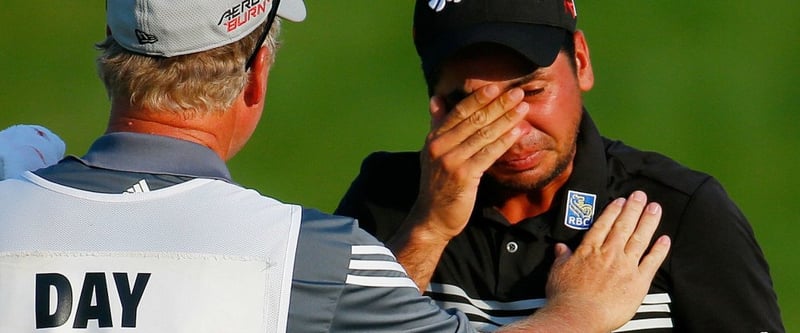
(633, 163)
(385, 164)
(395, 174)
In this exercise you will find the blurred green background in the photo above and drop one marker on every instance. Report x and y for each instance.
(709, 83)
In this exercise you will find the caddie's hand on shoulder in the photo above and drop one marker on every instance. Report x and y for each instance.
(611, 271)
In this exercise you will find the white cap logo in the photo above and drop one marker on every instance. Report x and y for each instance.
(438, 5)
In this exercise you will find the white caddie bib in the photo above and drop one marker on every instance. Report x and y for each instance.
(218, 283)
(148, 292)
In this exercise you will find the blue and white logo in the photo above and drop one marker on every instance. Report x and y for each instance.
(580, 210)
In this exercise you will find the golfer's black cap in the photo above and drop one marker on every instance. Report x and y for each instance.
(534, 28)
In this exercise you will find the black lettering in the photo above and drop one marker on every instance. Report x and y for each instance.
(226, 15)
(93, 285)
(44, 319)
(130, 299)
(237, 10)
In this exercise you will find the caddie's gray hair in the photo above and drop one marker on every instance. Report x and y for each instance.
(199, 82)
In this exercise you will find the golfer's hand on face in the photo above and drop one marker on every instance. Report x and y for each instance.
(464, 141)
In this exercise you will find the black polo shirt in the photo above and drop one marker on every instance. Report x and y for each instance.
(715, 280)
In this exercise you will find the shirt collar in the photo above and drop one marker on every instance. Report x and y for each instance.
(585, 194)
(153, 154)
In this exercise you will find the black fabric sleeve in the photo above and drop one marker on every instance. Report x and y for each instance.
(382, 194)
(720, 278)
(353, 203)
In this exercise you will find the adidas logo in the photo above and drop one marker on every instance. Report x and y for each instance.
(438, 5)
(140, 187)
(145, 38)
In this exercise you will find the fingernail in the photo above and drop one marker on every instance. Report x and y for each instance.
(522, 108)
(436, 100)
(653, 208)
(638, 196)
(516, 93)
(492, 90)
(619, 202)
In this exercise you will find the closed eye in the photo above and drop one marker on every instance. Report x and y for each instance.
(533, 92)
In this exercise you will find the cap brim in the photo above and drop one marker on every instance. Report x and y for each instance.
(292, 10)
(539, 43)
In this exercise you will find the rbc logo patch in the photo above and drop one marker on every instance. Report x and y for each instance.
(580, 210)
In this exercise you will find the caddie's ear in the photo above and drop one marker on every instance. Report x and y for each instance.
(256, 89)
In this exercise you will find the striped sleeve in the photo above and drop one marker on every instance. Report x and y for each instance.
(652, 315)
(488, 315)
(347, 281)
(376, 266)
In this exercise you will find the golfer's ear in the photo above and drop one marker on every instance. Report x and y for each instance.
(583, 62)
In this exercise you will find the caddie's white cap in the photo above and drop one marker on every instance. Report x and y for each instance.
(169, 28)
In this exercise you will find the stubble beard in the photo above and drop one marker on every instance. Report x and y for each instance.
(523, 184)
